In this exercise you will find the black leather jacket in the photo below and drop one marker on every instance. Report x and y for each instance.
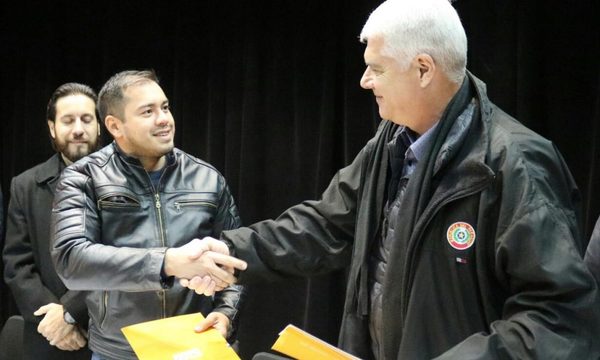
(111, 229)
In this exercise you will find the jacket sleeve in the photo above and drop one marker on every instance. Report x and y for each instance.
(592, 254)
(551, 309)
(22, 273)
(307, 239)
(82, 261)
(228, 217)
(1, 211)
(230, 299)
(20, 270)
(73, 301)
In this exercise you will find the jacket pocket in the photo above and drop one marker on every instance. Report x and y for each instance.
(118, 201)
(193, 215)
(184, 204)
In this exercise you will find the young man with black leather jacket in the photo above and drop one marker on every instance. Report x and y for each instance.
(125, 220)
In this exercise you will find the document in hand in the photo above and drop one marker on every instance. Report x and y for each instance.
(174, 338)
(301, 345)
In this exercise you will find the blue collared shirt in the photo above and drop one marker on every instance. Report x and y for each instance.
(416, 150)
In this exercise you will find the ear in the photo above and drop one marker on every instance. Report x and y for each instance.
(427, 69)
(98, 129)
(51, 128)
(113, 125)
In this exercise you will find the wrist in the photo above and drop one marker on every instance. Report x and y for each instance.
(232, 252)
(230, 246)
(166, 268)
(166, 281)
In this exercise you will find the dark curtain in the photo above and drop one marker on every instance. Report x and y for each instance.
(268, 92)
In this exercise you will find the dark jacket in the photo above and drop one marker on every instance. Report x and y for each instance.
(1, 212)
(592, 254)
(520, 290)
(28, 266)
(111, 229)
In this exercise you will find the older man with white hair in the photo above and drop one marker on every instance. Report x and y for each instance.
(458, 223)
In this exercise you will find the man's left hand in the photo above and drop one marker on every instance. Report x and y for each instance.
(215, 320)
(53, 326)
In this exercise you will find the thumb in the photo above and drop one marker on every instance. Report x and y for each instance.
(229, 261)
(205, 324)
(42, 310)
(195, 249)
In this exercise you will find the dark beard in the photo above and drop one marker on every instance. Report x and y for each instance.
(80, 152)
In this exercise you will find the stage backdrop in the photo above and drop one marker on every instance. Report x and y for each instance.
(268, 92)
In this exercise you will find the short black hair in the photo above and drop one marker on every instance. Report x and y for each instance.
(111, 95)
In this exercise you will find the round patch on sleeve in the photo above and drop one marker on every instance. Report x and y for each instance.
(461, 235)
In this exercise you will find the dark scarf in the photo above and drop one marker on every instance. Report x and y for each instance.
(417, 197)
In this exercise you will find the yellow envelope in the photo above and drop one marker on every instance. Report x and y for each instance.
(301, 345)
(174, 338)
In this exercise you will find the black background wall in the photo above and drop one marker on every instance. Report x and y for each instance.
(268, 92)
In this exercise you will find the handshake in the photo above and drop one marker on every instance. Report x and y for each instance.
(203, 265)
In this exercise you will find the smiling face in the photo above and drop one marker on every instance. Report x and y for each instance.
(147, 128)
(75, 128)
(396, 89)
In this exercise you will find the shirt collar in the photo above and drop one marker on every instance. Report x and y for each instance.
(420, 144)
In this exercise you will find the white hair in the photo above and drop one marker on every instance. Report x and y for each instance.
(412, 27)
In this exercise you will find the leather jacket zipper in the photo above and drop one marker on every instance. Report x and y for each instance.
(158, 206)
(105, 309)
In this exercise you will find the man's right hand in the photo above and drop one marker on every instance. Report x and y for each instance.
(206, 259)
(205, 285)
(72, 341)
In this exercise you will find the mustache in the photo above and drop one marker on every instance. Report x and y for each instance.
(62, 145)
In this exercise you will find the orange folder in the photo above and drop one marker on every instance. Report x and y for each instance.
(175, 338)
(301, 345)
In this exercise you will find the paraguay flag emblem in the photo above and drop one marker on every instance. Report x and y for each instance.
(460, 235)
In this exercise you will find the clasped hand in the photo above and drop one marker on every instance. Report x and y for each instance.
(203, 265)
(58, 333)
